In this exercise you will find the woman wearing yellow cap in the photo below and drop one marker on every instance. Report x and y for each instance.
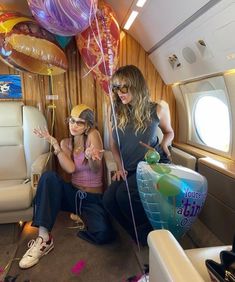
(81, 156)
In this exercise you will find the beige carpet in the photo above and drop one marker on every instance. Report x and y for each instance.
(8, 247)
(108, 263)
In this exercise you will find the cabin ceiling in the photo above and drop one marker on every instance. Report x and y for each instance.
(155, 22)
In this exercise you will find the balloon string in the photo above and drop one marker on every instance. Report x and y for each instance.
(147, 146)
(123, 169)
(6, 268)
(93, 7)
(51, 87)
(91, 69)
(99, 43)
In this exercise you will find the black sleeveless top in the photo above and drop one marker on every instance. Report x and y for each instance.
(132, 152)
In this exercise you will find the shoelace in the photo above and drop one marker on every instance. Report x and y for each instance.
(32, 247)
(31, 243)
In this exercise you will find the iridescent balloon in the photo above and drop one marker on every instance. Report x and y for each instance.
(172, 195)
(26, 46)
(64, 17)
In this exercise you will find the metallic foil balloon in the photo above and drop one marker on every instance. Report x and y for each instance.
(64, 17)
(99, 45)
(63, 40)
(172, 195)
(26, 46)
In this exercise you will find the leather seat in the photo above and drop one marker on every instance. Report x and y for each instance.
(23, 157)
(169, 262)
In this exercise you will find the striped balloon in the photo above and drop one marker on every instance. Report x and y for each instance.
(64, 17)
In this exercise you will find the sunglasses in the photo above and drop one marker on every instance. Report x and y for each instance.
(122, 88)
(77, 122)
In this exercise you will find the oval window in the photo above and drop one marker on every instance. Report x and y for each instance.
(211, 118)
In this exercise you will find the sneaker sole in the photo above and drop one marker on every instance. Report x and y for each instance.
(26, 267)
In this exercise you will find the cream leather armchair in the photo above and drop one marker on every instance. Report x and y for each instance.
(168, 262)
(23, 158)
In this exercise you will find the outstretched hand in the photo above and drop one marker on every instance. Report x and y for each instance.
(93, 153)
(44, 133)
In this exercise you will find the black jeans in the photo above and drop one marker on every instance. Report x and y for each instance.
(116, 201)
(54, 194)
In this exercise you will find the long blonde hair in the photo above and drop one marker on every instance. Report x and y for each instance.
(140, 109)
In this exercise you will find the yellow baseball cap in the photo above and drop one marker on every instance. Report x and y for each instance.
(77, 110)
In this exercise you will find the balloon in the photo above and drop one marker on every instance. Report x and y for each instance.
(26, 46)
(63, 40)
(63, 17)
(99, 45)
(172, 195)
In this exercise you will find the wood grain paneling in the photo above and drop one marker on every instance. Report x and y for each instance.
(77, 85)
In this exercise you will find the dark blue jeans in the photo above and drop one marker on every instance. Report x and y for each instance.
(116, 201)
(54, 195)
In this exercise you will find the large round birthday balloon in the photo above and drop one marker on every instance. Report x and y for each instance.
(26, 46)
(172, 195)
(99, 45)
(64, 17)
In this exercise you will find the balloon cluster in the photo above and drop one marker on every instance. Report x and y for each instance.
(172, 195)
(36, 45)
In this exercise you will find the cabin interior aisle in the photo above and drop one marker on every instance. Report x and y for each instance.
(112, 262)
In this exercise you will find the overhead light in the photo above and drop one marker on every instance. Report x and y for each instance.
(140, 3)
(131, 19)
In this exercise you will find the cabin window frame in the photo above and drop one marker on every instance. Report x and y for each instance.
(191, 99)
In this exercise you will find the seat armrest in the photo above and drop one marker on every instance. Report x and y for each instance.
(41, 164)
(110, 165)
(180, 157)
(198, 257)
(168, 261)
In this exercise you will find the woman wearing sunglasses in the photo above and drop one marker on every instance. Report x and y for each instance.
(137, 121)
(81, 156)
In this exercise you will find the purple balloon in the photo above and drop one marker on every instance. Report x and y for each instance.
(64, 17)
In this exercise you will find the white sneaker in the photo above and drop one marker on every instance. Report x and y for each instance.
(37, 249)
(144, 278)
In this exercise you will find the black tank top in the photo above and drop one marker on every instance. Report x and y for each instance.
(132, 152)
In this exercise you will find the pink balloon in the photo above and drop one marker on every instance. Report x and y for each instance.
(99, 45)
(64, 17)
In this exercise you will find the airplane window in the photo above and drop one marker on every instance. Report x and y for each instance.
(211, 121)
(208, 115)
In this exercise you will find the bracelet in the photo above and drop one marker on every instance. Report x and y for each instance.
(87, 157)
(56, 152)
(52, 144)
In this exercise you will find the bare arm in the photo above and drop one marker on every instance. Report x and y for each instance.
(165, 125)
(94, 151)
(61, 151)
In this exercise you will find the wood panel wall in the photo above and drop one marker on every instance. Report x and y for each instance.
(78, 86)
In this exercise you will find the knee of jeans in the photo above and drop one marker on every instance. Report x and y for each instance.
(48, 174)
(46, 179)
(107, 200)
(104, 237)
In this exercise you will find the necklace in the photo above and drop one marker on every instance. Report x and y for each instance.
(79, 146)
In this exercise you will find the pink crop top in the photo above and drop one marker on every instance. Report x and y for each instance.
(83, 175)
